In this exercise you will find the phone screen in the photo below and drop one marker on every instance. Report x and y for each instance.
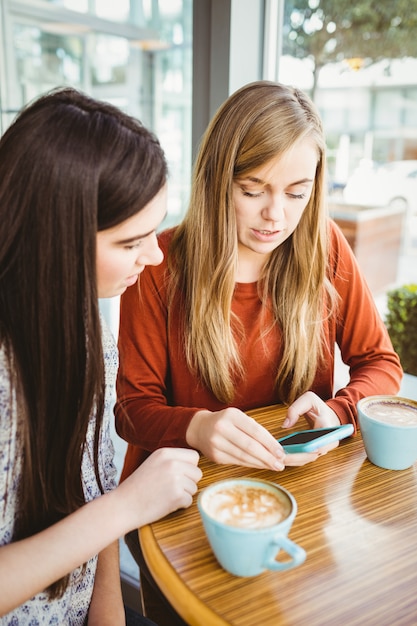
(308, 435)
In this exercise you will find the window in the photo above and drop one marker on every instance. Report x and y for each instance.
(358, 61)
(135, 54)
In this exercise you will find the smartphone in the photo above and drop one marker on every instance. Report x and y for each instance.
(310, 440)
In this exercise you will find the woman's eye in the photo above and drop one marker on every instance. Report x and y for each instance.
(252, 194)
(133, 246)
(297, 196)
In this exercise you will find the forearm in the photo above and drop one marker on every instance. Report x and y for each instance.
(377, 372)
(151, 425)
(106, 608)
(31, 565)
(375, 380)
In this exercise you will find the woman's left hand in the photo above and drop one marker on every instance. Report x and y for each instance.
(317, 415)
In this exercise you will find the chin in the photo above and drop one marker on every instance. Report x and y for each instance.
(114, 293)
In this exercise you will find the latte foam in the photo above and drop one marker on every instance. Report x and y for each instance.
(247, 506)
(396, 412)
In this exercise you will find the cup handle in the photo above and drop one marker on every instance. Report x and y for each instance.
(297, 554)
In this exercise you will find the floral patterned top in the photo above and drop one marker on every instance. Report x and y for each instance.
(72, 608)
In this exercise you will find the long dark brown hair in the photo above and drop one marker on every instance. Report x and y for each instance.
(69, 166)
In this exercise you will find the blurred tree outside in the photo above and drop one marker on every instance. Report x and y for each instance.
(358, 32)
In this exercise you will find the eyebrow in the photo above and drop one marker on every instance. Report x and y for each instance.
(259, 181)
(124, 242)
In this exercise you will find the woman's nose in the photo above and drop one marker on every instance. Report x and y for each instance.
(274, 210)
(151, 254)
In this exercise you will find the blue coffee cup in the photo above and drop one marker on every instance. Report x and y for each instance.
(389, 430)
(249, 551)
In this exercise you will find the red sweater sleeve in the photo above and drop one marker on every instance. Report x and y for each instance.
(361, 335)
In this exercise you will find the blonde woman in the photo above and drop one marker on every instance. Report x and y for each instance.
(256, 288)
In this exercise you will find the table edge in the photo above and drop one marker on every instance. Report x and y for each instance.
(184, 601)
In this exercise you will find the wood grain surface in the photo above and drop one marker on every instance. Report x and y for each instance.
(357, 523)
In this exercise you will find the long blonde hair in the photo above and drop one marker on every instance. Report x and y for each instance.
(254, 125)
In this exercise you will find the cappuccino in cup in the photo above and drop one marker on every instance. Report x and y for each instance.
(389, 430)
(247, 506)
(393, 410)
(247, 522)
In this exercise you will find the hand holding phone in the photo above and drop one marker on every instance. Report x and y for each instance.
(311, 440)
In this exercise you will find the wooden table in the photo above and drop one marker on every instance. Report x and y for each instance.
(357, 523)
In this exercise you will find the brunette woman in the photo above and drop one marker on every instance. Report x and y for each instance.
(82, 192)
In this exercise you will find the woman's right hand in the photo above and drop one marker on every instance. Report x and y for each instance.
(230, 436)
(165, 482)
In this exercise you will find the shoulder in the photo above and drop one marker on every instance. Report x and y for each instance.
(344, 271)
(337, 239)
(341, 257)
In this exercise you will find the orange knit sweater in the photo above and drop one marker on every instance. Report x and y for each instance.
(158, 395)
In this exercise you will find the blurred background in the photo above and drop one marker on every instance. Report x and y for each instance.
(172, 62)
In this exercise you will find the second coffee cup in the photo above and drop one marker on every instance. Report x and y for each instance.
(389, 430)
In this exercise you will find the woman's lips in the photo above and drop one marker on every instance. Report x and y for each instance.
(266, 235)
